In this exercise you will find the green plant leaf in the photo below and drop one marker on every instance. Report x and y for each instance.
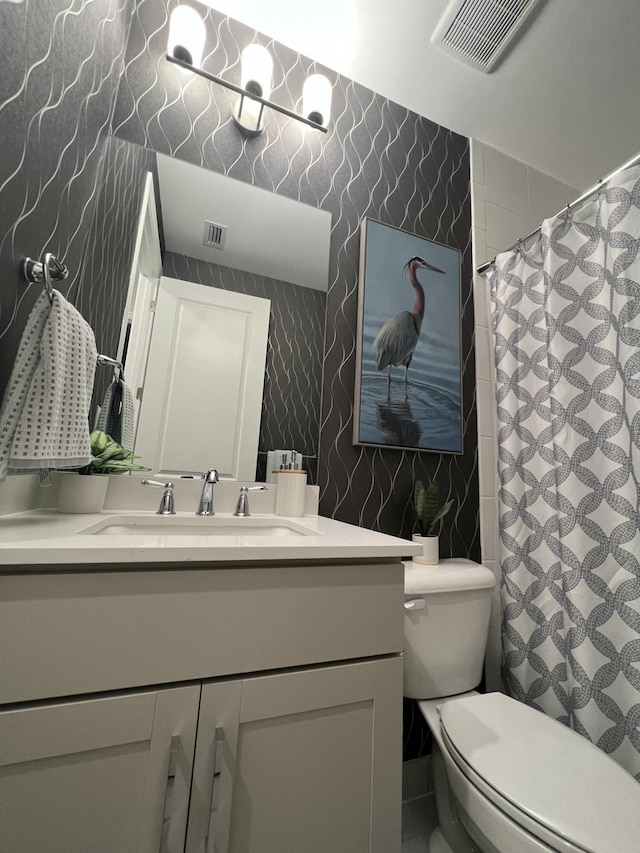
(426, 507)
(99, 441)
(109, 457)
(439, 515)
(117, 465)
(431, 502)
(418, 498)
(418, 505)
(113, 451)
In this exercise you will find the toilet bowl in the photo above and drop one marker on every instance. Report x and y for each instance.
(508, 779)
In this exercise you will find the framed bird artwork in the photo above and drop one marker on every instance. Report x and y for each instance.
(408, 390)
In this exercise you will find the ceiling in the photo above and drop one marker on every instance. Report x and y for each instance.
(565, 99)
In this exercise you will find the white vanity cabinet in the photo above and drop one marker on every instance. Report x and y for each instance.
(98, 775)
(302, 760)
(253, 709)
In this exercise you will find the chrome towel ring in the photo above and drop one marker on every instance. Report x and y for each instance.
(44, 272)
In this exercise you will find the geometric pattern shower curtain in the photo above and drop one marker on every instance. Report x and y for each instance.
(566, 324)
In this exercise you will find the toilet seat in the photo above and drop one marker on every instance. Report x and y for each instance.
(555, 784)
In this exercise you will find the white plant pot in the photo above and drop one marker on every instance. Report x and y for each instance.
(430, 550)
(82, 492)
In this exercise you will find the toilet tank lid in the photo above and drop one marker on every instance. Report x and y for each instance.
(545, 770)
(448, 576)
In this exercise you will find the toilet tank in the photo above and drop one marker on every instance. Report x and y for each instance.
(446, 621)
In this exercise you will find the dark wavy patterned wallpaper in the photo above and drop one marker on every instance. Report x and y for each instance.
(62, 62)
(378, 160)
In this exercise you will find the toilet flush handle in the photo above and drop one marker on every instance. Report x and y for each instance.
(415, 604)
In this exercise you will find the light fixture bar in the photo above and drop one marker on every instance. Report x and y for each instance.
(243, 92)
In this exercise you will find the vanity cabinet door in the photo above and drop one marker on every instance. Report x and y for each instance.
(104, 775)
(307, 760)
(214, 768)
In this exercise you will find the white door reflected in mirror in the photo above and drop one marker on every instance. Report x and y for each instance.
(202, 394)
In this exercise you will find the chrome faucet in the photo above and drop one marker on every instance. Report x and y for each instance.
(166, 501)
(242, 507)
(205, 507)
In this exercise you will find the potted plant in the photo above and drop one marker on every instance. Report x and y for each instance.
(428, 513)
(84, 494)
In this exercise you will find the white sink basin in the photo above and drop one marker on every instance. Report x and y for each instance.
(173, 525)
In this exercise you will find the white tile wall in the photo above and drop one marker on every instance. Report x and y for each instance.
(484, 399)
(488, 467)
(477, 190)
(508, 200)
(504, 226)
(477, 161)
(479, 244)
(481, 303)
(505, 182)
(484, 369)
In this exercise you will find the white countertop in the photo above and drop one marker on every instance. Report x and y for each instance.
(41, 539)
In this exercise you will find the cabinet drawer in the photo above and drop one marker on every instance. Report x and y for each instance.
(74, 633)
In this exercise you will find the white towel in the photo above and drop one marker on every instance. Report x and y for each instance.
(117, 413)
(44, 415)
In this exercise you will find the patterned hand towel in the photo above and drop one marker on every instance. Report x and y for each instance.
(103, 416)
(44, 415)
(117, 413)
(127, 416)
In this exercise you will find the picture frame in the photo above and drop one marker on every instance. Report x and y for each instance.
(408, 384)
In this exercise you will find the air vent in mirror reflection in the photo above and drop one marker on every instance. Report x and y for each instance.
(214, 234)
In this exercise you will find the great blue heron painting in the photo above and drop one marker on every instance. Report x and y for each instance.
(397, 339)
(408, 344)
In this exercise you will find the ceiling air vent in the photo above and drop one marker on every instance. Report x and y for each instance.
(214, 234)
(477, 32)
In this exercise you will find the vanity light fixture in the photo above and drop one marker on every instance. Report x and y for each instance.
(186, 36)
(256, 72)
(185, 48)
(316, 98)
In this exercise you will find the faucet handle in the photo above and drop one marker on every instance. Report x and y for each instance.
(242, 507)
(167, 506)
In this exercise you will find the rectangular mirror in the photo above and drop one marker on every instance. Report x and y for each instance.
(214, 232)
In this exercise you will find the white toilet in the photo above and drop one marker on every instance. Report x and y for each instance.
(508, 779)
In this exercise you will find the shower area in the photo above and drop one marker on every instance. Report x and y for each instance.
(559, 445)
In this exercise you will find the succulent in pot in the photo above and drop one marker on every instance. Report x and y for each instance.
(109, 457)
(428, 512)
(427, 508)
(84, 494)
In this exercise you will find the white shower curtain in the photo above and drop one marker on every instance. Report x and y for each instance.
(566, 322)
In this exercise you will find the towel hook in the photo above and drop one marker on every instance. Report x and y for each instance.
(118, 368)
(45, 272)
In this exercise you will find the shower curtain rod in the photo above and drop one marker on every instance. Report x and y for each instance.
(585, 195)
